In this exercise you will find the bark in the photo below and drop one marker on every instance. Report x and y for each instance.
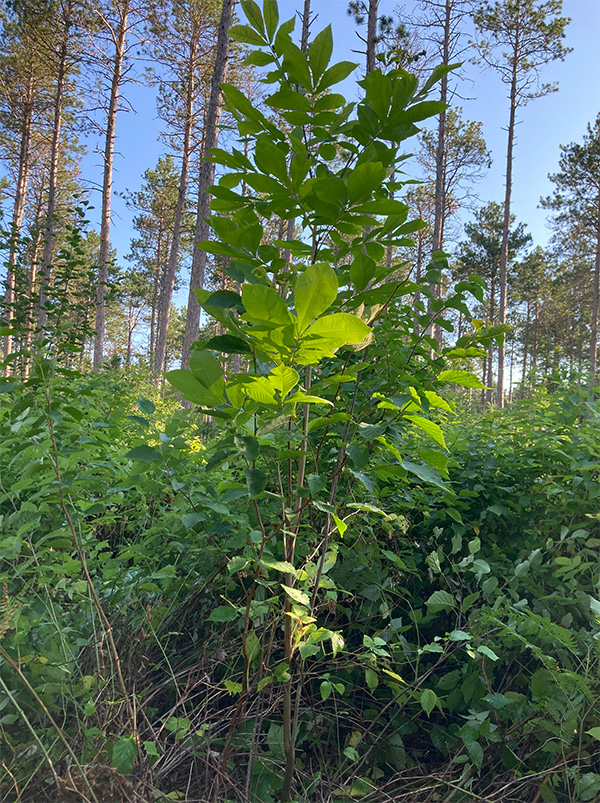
(595, 304)
(206, 179)
(535, 335)
(372, 35)
(166, 294)
(33, 275)
(506, 221)
(155, 291)
(490, 361)
(107, 181)
(305, 25)
(61, 81)
(18, 209)
(525, 350)
(440, 161)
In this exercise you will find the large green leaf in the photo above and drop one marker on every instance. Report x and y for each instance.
(271, 14)
(207, 371)
(183, 381)
(256, 480)
(336, 73)
(315, 291)
(144, 454)
(264, 305)
(246, 35)
(339, 329)
(364, 179)
(123, 754)
(283, 379)
(228, 344)
(319, 53)
(430, 427)
(464, 378)
(440, 601)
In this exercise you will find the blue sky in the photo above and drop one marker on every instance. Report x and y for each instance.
(544, 124)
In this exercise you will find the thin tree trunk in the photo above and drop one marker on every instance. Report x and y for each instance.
(61, 80)
(130, 326)
(595, 305)
(506, 221)
(107, 181)
(372, 35)
(305, 25)
(33, 277)
(535, 336)
(155, 289)
(18, 209)
(206, 179)
(440, 162)
(166, 293)
(525, 350)
(490, 362)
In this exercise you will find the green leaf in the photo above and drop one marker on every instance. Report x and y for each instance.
(256, 480)
(339, 329)
(246, 35)
(464, 378)
(487, 652)
(233, 687)
(123, 754)
(326, 688)
(228, 344)
(364, 179)
(264, 305)
(144, 454)
(252, 646)
(207, 371)
(428, 701)
(283, 566)
(283, 379)
(224, 613)
(430, 427)
(362, 271)
(476, 753)
(315, 291)
(271, 13)
(183, 381)
(371, 679)
(440, 601)
(594, 732)
(319, 53)
(336, 73)
(353, 755)
(253, 15)
(297, 596)
(151, 749)
(425, 473)
(304, 398)
(435, 400)
(146, 406)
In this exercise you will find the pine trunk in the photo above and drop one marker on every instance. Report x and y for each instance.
(166, 291)
(595, 305)
(61, 80)
(109, 151)
(18, 209)
(206, 179)
(440, 162)
(506, 222)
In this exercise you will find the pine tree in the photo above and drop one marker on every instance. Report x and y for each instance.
(517, 38)
(577, 201)
(206, 178)
(183, 45)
